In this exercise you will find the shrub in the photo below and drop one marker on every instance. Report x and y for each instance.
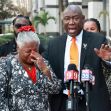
(44, 39)
(5, 38)
(8, 37)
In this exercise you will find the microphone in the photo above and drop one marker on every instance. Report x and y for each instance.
(71, 77)
(71, 80)
(87, 78)
(87, 75)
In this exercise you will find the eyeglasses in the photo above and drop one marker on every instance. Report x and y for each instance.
(20, 25)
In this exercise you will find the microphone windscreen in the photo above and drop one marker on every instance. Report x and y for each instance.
(87, 66)
(72, 67)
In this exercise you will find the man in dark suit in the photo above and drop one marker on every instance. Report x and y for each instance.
(59, 59)
(10, 46)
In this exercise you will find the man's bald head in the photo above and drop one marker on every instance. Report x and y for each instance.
(73, 20)
(73, 8)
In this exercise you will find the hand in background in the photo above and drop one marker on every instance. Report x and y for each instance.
(104, 52)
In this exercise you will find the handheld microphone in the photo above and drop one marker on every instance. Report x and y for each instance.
(87, 75)
(71, 78)
(87, 78)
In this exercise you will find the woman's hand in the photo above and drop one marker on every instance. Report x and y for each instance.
(39, 60)
(104, 52)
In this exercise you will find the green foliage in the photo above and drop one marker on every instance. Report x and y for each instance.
(43, 18)
(7, 9)
(104, 13)
(44, 39)
(5, 38)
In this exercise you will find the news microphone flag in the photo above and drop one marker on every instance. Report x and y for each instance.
(71, 75)
(87, 75)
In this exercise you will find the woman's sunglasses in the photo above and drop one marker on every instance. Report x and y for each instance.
(19, 25)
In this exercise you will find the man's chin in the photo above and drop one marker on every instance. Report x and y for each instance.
(72, 33)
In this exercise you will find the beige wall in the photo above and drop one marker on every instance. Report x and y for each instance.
(94, 9)
(74, 0)
(52, 7)
(110, 12)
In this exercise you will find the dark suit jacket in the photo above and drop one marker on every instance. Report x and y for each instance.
(98, 94)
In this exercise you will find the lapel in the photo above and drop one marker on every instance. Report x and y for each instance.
(84, 48)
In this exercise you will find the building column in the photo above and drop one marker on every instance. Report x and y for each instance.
(94, 9)
(110, 12)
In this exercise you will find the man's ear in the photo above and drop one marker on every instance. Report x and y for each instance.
(83, 17)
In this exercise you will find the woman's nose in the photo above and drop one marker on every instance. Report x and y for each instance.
(32, 51)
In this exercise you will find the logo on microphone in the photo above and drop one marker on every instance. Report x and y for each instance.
(87, 75)
(75, 75)
(71, 75)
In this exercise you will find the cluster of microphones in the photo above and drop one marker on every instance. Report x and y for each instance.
(72, 83)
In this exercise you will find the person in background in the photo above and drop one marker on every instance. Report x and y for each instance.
(32, 78)
(92, 25)
(59, 55)
(10, 46)
(105, 54)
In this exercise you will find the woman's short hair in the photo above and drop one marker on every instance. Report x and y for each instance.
(96, 22)
(27, 37)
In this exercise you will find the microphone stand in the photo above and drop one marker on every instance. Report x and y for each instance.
(75, 98)
(72, 101)
(87, 96)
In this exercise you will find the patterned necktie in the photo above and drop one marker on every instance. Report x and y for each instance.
(74, 55)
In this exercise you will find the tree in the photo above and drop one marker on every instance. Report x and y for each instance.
(23, 11)
(43, 18)
(7, 9)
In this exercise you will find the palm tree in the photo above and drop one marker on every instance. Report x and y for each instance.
(43, 18)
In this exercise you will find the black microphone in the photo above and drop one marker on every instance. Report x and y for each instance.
(71, 80)
(87, 78)
(71, 77)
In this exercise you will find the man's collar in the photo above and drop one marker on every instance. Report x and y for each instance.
(77, 37)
